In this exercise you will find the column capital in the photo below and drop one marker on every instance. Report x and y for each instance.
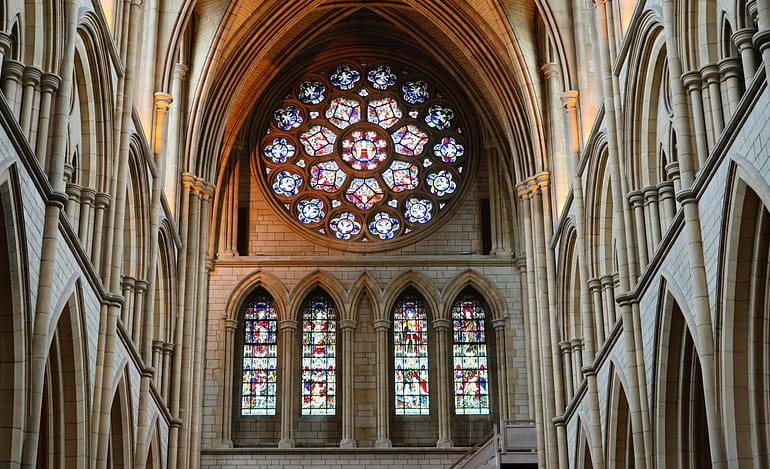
(577, 343)
(650, 193)
(550, 70)
(730, 67)
(188, 180)
(710, 73)
(565, 346)
(6, 41)
(598, 3)
(672, 170)
(87, 195)
(348, 324)
(543, 179)
(692, 80)
(762, 39)
(49, 82)
(162, 101)
(686, 196)
(13, 69)
(635, 198)
(498, 324)
(569, 99)
(666, 189)
(521, 263)
(180, 71)
(288, 324)
(607, 280)
(157, 345)
(141, 286)
(743, 38)
(381, 325)
(32, 75)
(441, 324)
(627, 299)
(102, 199)
(595, 284)
(73, 191)
(231, 324)
(168, 347)
(128, 283)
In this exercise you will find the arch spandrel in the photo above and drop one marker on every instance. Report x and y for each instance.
(248, 285)
(317, 280)
(424, 286)
(482, 286)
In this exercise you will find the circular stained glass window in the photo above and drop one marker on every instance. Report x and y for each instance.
(364, 154)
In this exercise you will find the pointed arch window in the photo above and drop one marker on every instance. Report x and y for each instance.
(260, 357)
(319, 356)
(469, 350)
(410, 349)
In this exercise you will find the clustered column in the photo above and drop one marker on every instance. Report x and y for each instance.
(498, 325)
(347, 327)
(442, 327)
(231, 325)
(288, 329)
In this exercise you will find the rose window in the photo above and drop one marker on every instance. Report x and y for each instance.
(364, 153)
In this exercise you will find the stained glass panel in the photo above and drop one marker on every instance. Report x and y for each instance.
(383, 112)
(343, 112)
(260, 358)
(326, 176)
(364, 193)
(410, 352)
(319, 342)
(318, 140)
(471, 378)
(409, 140)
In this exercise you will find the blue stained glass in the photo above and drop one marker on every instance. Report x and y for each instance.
(345, 226)
(287, 118)
(311, 92)
(260, 358)
(280, 150)
(418, 210)
(410, 357)
(409, 140)
(383, 112)
(471, 370)
(448, 150)
(364, 149)
(287, 184)
(343, 112)
(326, 176)
(344, 77)
(310, 211)
(415, 92)
(384, 226)
(439, 117)
(319, 342)
(364, 193)
(318, 140)
(441, 183)
(381, 77)
(401, 176)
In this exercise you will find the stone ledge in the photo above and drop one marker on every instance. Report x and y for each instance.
(334, 450)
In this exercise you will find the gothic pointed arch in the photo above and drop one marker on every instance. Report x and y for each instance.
(318, 280)
(251, 282)
(367, 286)
(426, 287)
(482, 285)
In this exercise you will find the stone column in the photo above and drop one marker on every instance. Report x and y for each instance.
(287, 328)
(382, 326)
(730, 70)
(30, 82)
(566, 353)
(608, 290)
(6, 43)
(168, 352)
(136, 325)
(521, 264)
(442, 328)
(636, 200)
(653, 216)
(742, 40)
(231, 325)
(101, 202)
(87, 196)
(595, 285)
(11, 77)
(667, 201)
(128, 284)
(692, 82)
(175, 136)
(157, 363)
(73, 203)
(347, 327)
(672, 171)
(49, 83)
(710, 74)
(577, 358)
(502, 369)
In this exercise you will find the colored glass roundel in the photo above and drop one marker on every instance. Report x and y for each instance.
(363, 153)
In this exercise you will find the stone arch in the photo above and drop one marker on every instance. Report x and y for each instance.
(420, 283)
(318, 280)
(365, 285)
(742, 316)
(14, 311)
(63, 439)
(484, 287)
(696, 26)
(583, 456)
(621, 452)
(251, 282)
(681, 430)
(570, 314)
(120, 449)
(599, 211)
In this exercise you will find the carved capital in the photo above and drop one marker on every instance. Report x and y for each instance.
(32, 76)
(442, 325)
(730, 67)
(569, 99)
(231, 324)
(381, 325)
(635, 198)
(743, 38)
(710, 73)
(102, 200)
(650, 194)
(13, 70)
(49, 82)
(692, 81)
(288, 325)
(163, 102)
(348, 324)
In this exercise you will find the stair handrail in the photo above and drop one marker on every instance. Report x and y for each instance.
(475, 448)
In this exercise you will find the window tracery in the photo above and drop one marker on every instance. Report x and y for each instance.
(363, 153)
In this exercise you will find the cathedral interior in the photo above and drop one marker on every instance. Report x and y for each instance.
(385, 233)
